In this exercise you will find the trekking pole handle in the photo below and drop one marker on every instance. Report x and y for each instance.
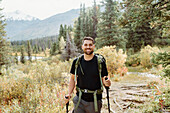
(66, 97)
(106, 86)
(106, 78)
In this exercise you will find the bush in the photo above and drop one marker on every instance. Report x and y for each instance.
(159, 99)
(133, 60)
(145, 56)
(163, 59)
(33, 87)
(13, 87)
(115, 60)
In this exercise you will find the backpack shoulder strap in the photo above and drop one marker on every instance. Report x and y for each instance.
(76, 66)
(100, 59)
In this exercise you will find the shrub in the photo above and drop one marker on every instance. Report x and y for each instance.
(163, 59)
(115, 60)
(57, 70)
(53, 59)
(145, 56)
(33, 87)
(133, 60)
(13, 86)
(159, 99)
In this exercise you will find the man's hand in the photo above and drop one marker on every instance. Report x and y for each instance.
(67, 98)
(107, 81)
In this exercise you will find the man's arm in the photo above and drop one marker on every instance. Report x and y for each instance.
(70, 87)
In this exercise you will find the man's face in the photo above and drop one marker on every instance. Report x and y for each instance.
(88, 47)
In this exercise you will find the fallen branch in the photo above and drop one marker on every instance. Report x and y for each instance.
(112, 110)
(137, 94)
(117, 104)
(157, 87)
(133, 100)
(128, 105)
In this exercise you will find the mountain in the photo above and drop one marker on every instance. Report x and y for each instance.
(18, 15)
(25, 29)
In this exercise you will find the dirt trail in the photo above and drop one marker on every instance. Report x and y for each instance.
(126, 96)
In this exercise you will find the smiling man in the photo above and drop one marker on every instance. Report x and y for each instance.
(88, 73)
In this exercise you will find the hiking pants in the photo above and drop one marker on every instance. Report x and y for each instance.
(86, 107)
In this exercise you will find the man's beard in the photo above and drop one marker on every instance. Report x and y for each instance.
(88, 53)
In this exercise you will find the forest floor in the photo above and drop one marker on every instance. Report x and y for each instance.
(127, 95)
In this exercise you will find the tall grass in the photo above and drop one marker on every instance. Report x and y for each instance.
(34, 87)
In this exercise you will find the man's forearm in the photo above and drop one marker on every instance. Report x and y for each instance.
(71, 85)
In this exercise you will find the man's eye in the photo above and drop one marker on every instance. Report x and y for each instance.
(88, 44)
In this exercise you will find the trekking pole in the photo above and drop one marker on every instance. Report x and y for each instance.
(67, 104)
(107, 90)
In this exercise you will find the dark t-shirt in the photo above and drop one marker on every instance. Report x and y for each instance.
(91, 79)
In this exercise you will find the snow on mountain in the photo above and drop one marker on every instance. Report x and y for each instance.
(26, 30)
(18, 15)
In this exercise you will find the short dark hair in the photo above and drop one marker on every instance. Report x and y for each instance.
(88, 38)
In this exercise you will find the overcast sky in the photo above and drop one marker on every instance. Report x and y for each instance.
(43, 8)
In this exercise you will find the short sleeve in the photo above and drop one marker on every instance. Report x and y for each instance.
(104, 69)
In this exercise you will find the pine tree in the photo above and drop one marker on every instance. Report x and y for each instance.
(4, 45)
(65, 32)
(29, 51)
(22, 58)
(83, 26)
(77, 34)
(95, 20)
(16, 58)
(61, 31)
(70, 29)
(107, 28)
(137, 19)
(54, 49)
(160, 20)
(82, 22)
(86, 24)
(92, 32)
(36, 49)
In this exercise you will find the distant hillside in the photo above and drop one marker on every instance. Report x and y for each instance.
(18, 15)
(14, 27)
(31, 29)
